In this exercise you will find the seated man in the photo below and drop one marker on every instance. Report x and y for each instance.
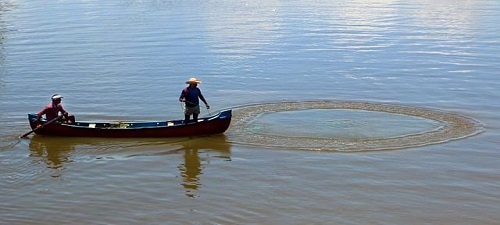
(51, 111)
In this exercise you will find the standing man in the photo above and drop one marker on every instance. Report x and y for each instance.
(51, 111)
(190, 96)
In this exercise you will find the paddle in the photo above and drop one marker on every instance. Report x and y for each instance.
(40, 127)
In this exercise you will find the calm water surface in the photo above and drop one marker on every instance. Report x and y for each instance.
(128, 60)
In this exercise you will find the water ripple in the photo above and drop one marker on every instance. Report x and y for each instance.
(454, 127)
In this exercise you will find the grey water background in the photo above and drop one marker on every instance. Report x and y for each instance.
(128, 60)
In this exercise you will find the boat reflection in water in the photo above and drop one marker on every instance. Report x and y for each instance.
(197, 152)
(52, 150)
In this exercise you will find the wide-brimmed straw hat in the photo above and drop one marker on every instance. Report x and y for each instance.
(56, 96)
(193, 80)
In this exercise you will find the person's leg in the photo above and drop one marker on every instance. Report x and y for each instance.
(196, 112)
(187, 114)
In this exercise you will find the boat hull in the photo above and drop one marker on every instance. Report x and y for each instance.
(216, 124)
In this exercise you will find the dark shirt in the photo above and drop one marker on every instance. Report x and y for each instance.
(192, 96)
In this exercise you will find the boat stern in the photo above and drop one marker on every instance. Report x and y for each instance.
(32, 120)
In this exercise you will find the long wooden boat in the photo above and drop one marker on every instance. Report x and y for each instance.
(215, 124)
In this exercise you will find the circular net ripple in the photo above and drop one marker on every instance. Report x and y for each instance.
(453, 126)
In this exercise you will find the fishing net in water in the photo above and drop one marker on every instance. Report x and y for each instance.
(446, 127)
